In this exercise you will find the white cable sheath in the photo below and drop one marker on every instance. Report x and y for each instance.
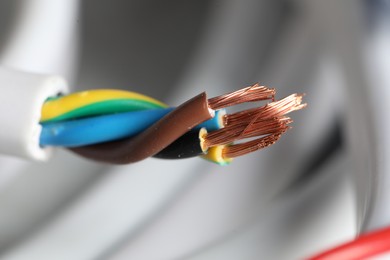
(21, 100)
(43, 37)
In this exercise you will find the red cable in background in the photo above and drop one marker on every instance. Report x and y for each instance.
(364, 247)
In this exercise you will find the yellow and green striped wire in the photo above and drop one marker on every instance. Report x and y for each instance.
(214, 154)
(96, 102)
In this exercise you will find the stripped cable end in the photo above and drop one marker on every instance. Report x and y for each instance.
(224, 154)
(270, 110)
(266, 123)
(255, 128)
(236, 150)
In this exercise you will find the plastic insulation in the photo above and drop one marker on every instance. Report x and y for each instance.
(215, 155)
(104, 108)
(57, 107)
(99, 129)
(106, 128)
(153, 139)
(364, 247)
(187, 146)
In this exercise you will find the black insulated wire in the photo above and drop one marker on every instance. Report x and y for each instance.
(187, 146)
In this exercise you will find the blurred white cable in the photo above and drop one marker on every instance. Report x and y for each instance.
(43, 37)
(21, 100)
(11, 167)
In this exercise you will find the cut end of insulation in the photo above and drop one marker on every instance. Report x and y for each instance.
(221, 118)
(34, 149)
(21, 137)
(215, 155)
(202, 136)
(52, 86)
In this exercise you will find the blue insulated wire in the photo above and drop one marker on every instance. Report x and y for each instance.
(106, 128)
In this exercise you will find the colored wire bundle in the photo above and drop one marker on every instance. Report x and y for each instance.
(96, 102)
(122, 127)
(104, 128)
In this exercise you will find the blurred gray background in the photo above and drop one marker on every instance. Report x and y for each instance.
(321, 184)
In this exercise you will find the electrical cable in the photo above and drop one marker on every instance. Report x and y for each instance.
(196, 143)
(176, 123)
(364, 247)
(21, 99)
(185, 147)
(118, 127)
(98, 129)
(110, 127)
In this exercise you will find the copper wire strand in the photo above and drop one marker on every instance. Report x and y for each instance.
(236, 150)
(248, 94)
(267, 122)
(237, 132)
(274, 109)
(259, 128)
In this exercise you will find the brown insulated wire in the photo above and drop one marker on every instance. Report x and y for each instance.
(154, 139)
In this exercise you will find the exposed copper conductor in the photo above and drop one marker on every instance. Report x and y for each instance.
(267, 122)
(270, 110)
(248, 94)
(258, 127)
(236, 150)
